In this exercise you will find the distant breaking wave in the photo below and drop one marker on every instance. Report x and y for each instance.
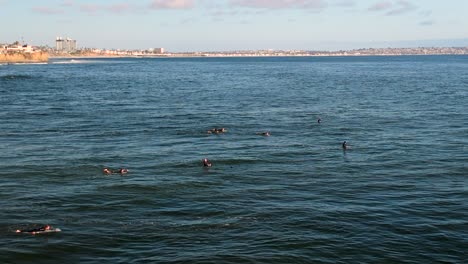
(76, 61)
(72, 61)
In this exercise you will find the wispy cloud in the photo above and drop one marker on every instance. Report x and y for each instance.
(403, 6)
(427, 23)
(393, 8)
(68, 3)
(47, 10)
(384, 5)
(120, 8)
(172, 4)
(426, 13)
(223, 13)
(188, 21)
(279, 4)
(90, 8)
(117, 8)
(346, 3)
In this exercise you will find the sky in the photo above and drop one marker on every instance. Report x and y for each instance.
(227, 25)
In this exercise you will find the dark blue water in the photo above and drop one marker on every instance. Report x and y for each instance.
(399, 195)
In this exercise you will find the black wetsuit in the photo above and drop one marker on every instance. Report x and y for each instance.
(40, 229)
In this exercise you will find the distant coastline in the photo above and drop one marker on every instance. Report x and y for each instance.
(276, 53)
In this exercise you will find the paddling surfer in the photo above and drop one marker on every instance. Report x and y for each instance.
(35, 230)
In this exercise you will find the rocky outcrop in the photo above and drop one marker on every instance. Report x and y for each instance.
(22, 57)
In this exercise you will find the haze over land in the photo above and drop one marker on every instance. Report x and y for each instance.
(224, 25)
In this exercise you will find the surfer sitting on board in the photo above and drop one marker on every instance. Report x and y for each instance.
(206, 163)
(217, 130)
(344, 145)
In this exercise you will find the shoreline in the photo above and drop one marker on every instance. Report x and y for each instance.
(244, 56)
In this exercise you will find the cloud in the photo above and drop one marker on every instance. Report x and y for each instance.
(426, 13)
(403, 6)
(120, 8)
(427, 23)
(346, 3)
(47, 10)
(90, 8)
(279, 4)
(384, 5)
(393, 8)
(172, 4)
(68, 3)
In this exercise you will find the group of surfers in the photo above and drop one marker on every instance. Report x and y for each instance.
(205, 161)
(122, 171)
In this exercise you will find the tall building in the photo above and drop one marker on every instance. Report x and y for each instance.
(65, 45)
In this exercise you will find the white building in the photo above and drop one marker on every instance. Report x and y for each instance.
(18, 48)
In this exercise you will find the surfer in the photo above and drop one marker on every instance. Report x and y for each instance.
(266, 134)
(121, 171)
(344, 145)
(35, 230)
(319, 120)
(217, 130)
(206, 163)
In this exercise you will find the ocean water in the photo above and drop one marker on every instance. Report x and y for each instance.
(398, 195)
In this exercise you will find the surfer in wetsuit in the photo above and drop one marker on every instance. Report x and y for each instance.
(33, 231)
(206, 163)
(266, 134)
(217, 130)
(344, 145)
(108, 171)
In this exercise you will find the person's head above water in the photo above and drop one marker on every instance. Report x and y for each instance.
(106, 171)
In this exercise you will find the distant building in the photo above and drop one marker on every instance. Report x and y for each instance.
(158, 51)
(17, 48)
(65, 44)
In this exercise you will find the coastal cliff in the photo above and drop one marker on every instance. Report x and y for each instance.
(22, 57)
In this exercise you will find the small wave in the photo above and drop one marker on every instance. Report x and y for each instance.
(72, 61)
(76, 61)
